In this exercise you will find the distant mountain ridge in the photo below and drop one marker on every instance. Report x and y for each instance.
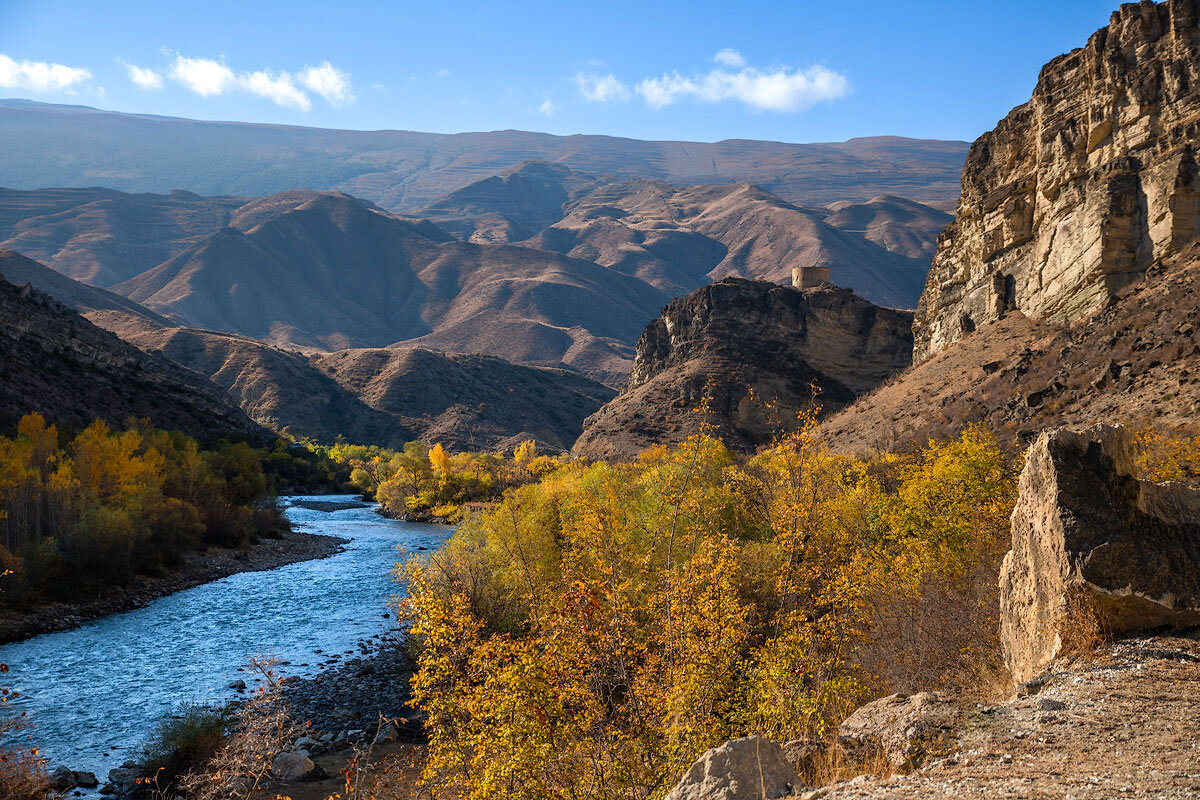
(403, 170)
(680, 238)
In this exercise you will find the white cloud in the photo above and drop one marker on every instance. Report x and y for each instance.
(601, 88)
(781, 89)
(40, 76)
(208, 77)
(547, 107)
(329, 82)
(203, 76)
(143, 77)
(279, 88)
(443, 73)
(729, 57)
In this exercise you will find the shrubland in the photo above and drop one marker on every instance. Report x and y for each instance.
(430, 482)
(594, 632)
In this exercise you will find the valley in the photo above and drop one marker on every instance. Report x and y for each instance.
(377, 463)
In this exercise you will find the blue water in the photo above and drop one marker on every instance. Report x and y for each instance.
(93, 693)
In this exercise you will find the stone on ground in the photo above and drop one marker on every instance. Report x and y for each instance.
(750, 768)
(902, 729)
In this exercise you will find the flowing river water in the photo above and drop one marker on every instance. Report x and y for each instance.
(93, 694)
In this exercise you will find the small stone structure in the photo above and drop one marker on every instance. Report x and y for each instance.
(809, 277)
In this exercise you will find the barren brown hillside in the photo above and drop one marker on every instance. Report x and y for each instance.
(1137, 361)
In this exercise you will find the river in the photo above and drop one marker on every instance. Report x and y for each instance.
(92, 694)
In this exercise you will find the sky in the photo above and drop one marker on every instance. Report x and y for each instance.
(795, 71)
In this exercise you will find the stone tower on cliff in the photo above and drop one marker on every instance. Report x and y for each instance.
(809, 277)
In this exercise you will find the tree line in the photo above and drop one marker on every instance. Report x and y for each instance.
(93, 511)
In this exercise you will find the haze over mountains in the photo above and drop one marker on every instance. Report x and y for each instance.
(55, 145)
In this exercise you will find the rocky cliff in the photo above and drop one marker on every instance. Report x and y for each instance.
(751, 352)
(1075, 193)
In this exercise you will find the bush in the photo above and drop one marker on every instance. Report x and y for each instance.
(183, 742)
(596, 631)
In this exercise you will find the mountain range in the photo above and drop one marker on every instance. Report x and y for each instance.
(542, 265)
(59, 145)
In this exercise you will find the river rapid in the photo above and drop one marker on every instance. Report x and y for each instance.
(92, 695)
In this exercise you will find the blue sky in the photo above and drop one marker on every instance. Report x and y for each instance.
(795, 71)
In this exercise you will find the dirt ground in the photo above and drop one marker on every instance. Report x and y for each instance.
(1123, 724)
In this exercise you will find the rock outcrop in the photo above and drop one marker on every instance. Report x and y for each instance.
(737, 346)
(1075, 193)
(750, 768)
(1089, 537)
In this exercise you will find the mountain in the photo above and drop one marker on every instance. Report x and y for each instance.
(73, 146)
(388, 397)
(1078, 191)
(54, 361)
(1067, 290)
(102, 236)
(740, 359)
(328, 271)
(108, 310)
(385, 397)
(679, 239)
(511, 206)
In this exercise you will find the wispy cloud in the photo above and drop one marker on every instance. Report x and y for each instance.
(142, 77)
(547, 107)
(330, 82)
(209, 77)
(729, 57)
(783, 89)
(40, 76)
(280, 88)
(602, 88)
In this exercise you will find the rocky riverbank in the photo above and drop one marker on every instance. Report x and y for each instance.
(200, 567)
(346, 700)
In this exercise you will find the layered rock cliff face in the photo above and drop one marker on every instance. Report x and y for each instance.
(751, 352)
(1075, 193)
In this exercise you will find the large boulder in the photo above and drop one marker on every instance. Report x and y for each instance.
(1087, 534)
(902, 729)
(296, 766)
(750, 768)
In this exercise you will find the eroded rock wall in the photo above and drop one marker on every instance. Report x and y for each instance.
(1089, 538)
(1075, 193)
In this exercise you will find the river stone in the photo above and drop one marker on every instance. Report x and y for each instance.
(63, 779)
(750, 768)
(239, 685)
(289, 767)
(1088, 534)
(86, 780)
